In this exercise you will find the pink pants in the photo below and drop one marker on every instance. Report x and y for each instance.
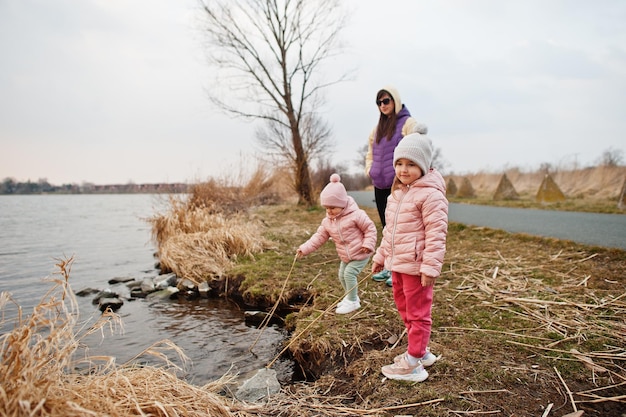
(414, 304)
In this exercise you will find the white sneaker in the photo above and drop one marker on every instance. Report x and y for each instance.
(427, 360)
(345, 299)
(347, 306)
(402, 371)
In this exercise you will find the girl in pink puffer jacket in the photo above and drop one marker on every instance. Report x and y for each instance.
(412, 248)
(354, 234)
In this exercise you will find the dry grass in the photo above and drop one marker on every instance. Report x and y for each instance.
(200, 235)
(46, 371)
(209, 249)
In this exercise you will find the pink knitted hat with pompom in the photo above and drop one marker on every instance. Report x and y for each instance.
(334, 194)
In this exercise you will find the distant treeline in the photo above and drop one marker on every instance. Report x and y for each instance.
(10, 186)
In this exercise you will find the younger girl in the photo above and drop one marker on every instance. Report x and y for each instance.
(412, 248)
(354, 234)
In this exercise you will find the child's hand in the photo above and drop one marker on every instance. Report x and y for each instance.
(299, 254)
(376, 268)
(365, 250)
(427, 281)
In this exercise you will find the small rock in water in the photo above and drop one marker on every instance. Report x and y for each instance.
(119, 280)
(263, 384)
(147, 285)
(204, 288)
(255, 317)
(112, 303)
(87, 291)
(103, 295)
(164, 293)
(187, 284)
(164, 281)
(137, 292)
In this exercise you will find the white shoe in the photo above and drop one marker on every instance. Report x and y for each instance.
(402, 371)
(427, 360)
(345, 299)
(347, 306)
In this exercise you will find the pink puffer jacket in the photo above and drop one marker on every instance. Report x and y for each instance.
(351, 230)
(414, 239)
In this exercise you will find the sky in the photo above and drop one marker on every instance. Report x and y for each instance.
(115, 91)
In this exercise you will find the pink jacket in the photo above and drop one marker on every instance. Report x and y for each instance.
(351, 230)
(414, 239)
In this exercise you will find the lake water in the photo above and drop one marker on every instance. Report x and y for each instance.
(109, 238)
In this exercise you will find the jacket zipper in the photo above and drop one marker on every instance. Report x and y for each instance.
(395, 226)
(343, 241)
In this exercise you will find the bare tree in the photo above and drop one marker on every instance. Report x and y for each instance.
(361, 156)
(611, 157)
(268, 55)
(439, 161)
(277, 144)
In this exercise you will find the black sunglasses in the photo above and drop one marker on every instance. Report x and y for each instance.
(384, 101)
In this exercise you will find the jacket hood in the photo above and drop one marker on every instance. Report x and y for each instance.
(350, 207)
(395, 95)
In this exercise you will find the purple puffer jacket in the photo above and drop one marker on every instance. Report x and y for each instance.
(414, 239)
(382, 171)
(351, 230)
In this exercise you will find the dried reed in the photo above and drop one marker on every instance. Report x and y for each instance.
(46, 371)
(199, 236)
(566, 310)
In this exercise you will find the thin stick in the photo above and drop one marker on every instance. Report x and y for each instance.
(293, 339)
(599, 399)
(548, 408)
(267, 318)
(492, 331)
(488, 391)
(587, 258)
(398, 407)
(495, 271)
(399, 339)
(571, 397)
(599, 355)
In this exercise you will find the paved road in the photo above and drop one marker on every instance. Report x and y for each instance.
(607, 230)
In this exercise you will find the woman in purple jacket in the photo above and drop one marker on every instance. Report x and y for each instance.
(394, 123)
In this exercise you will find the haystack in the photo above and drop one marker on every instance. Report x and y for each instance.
(466, 190)
(451, 188)
(505, 190)
(549, 192)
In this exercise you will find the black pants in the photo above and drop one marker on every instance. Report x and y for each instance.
(380, 195)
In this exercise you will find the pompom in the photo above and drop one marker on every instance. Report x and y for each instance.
(335, 178)
(420, 128)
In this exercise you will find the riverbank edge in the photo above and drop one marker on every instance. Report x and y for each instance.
(326, 361)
